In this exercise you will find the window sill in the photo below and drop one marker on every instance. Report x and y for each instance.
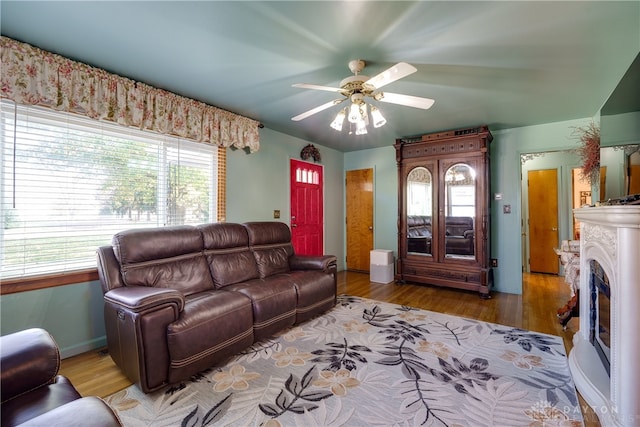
(23, 284)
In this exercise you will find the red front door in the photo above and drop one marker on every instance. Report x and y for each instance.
(307, 217)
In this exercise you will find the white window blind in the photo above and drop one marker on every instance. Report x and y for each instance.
(68, 183)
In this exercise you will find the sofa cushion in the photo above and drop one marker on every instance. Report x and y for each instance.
(232, 267)
(271, 261)
(150, 244)
(168, 257)
(26, 406)
(226, 247)
(315, 292)
(418, 226)
(76, 413)
(211, 322)
(457, 245)
(189, 275)
(224, 235)
(267, 232)
(30, 359)
(419, 232)
(271, 246)
(457, 225)
(274, 303)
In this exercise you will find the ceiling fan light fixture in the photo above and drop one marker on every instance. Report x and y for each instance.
(364, 115)
(356, 88)
(354, 113)
(378, 118)
(339, 120)
(361, 127)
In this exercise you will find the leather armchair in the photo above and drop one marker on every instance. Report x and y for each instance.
(33, 394)
(459, 235)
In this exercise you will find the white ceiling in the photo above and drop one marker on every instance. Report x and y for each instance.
(505, 64)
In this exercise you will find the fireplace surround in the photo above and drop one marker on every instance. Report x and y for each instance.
(610, 241)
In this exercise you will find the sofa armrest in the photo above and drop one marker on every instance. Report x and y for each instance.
(468, 234)
(326, 263)
(29, 359)
(139, 298)
(136, 320)
(108, 269)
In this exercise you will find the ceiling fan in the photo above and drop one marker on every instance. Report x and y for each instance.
(357, 88)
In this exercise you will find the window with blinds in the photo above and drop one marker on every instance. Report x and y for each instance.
(68, 183)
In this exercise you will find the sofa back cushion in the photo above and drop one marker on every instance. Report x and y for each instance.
(270, 242)
(457, 225)
(419, 226)
(167, 257)
(226, 247)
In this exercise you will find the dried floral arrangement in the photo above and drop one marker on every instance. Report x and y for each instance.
(589, 151)
(310, 152)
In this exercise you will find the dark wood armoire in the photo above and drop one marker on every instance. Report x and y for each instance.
(443, 209)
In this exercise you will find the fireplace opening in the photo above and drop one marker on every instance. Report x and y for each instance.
(600, 313)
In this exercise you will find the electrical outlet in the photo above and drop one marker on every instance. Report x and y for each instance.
(276, 213)
(494, 262)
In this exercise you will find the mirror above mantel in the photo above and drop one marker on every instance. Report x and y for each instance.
(620, 138)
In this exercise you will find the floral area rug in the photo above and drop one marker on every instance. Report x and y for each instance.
(370, 363)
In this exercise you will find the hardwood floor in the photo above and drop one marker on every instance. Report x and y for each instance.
(94, 373)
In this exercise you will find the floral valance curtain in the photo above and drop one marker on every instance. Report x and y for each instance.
(31, 76)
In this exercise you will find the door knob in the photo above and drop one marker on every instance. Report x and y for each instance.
(554, 229)
(370, 228)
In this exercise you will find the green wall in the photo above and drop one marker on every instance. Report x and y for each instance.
(620, 129)
(385, 193)
(72, 314)
(258, 184)
(507, 146)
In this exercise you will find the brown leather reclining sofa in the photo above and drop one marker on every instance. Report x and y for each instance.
(182, 299)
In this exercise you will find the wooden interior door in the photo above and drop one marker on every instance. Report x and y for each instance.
(359, 207)
(307, 213)
(634, 179)
(543, 220)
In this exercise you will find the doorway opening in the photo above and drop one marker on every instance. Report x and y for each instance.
(550, 192)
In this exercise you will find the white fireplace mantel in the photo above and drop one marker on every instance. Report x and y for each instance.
(611, 236)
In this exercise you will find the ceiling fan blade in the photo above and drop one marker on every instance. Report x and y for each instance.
(390, 75)
(317, 109)
(408, 100)
(317, 87)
